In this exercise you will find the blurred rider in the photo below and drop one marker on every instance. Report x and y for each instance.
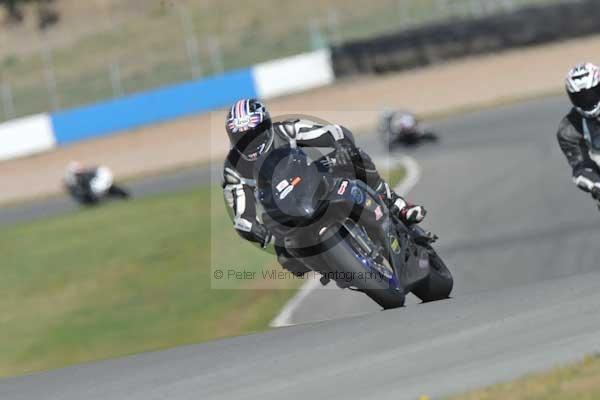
(402, 127)
(90, 184)
(399, 124)
(252, 134)
(579, 131)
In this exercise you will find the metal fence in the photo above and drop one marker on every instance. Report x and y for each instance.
(135, 45)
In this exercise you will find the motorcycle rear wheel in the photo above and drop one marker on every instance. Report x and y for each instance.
(429, 136)
(438, 285)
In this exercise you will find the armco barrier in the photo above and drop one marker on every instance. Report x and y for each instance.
(26, 136)
(453, 39)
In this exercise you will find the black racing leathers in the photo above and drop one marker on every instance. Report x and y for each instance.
(239, 185)
(576, 137)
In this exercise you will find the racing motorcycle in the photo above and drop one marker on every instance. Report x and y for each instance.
(415, 138)
(403, 129)
(340, 228)
(90, 187)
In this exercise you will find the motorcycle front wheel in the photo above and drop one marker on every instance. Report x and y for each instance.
(345, 258)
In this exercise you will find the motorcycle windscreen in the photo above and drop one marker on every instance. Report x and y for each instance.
(290, 186)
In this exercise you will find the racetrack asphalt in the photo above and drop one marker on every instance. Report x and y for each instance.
(520, 239)
(500, 196)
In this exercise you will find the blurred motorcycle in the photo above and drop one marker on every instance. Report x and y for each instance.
(400, 128)
(89, 186)
(341, 228)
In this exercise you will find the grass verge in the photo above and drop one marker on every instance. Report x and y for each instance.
(130, 277)
(574, 382)
(122, 279)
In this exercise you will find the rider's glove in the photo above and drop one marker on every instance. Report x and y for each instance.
(596, 193)
(254, 232)
(410, 214)
(586, 179)
(263, 234)
(268, 239)
(413, 214)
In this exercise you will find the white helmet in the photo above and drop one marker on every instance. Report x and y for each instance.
(74, 167)
(583, 87)
(403, 121)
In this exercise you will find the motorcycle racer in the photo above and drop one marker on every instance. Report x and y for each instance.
(253, 134)
(579, 131)
(402, 127)
(88, 185)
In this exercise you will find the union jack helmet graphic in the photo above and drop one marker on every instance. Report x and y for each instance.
(248, 125)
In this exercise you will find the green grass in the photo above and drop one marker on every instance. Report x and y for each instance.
(575, 382)
(147, 41)
(125, 278)
(130, 277)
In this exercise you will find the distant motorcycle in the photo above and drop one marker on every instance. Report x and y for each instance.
(342, 229)
(89, 186)
(399, 128)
